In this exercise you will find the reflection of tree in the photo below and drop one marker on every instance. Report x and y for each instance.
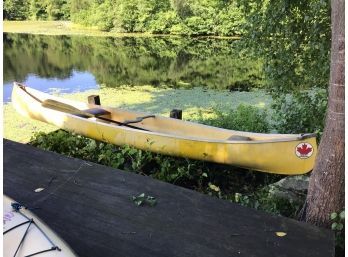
(45, 56)
(114, 61)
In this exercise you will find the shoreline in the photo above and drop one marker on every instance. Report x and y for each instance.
(67, 28)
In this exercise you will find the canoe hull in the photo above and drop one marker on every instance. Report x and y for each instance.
(281, 156)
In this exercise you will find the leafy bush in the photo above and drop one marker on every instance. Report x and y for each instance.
(180, 29)
(244, 118)
(16, 9)
(229, 21)
(262, 200)
(198, 25)
(301, 112)
(163, 22)
(338, 227)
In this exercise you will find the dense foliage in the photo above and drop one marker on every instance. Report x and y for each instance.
(294, 39)
(16, 9)
(180, 17)
(301, 112)
(36, 10)
(209, 17)
(244, 118)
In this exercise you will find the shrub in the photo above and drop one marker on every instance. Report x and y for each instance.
(180, 29)
(198, 25)
(301, 112)
(163, 21)
(244, 118)
(338, 227)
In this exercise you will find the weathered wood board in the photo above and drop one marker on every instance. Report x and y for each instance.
(90, 207)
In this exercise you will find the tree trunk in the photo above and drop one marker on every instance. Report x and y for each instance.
(326, 185)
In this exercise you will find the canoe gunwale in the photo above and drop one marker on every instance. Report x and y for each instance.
(307, 135)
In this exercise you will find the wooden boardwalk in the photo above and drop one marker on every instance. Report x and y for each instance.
(89, 206)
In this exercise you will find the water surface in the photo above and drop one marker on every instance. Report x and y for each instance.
(77, 63)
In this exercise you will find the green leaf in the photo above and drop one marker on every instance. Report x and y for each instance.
(333, 216)
(138, 203)
(151, 201)
(342, 215)
(213, 187)
(339, 226)
(334, 226)
(142, 199)
(280, 234)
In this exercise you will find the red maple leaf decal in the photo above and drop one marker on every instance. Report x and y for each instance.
(304, 149)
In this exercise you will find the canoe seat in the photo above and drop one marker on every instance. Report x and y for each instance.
(96, 111)
(239, 138)
(91, 113)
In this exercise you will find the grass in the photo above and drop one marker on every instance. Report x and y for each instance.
(197, 103)
(69, 28)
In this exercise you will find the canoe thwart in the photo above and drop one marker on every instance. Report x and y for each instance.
(176, 114)
(137, 119)
(94, 99)
(239, 138)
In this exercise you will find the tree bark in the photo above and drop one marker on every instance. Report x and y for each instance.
(326, 185)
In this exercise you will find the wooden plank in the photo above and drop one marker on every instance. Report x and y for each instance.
(89, 206)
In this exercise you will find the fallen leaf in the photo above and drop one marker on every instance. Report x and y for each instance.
(213, 187)
(280, 234)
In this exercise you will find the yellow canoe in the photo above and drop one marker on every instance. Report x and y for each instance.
(273, 153)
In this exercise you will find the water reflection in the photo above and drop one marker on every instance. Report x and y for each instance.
(76, 82)
(79, 63)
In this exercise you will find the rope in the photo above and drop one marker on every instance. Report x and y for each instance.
(23, 223)
(26, 232)
(53, 248)
(25, 90)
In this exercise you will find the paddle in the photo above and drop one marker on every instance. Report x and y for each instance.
(90, 113)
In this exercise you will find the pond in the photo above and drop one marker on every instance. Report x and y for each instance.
(76, 63)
